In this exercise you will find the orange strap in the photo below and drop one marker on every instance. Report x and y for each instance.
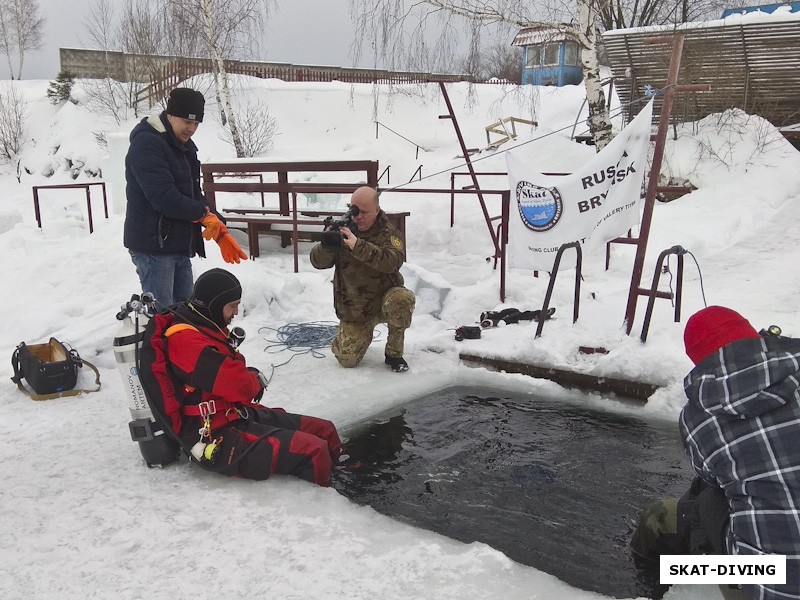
(178, 327)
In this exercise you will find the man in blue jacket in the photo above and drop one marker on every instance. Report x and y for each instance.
(166, 208)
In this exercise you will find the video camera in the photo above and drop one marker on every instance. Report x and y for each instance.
(332, 237)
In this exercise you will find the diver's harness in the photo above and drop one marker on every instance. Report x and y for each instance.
(207, 447)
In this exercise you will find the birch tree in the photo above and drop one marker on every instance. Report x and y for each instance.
(599, 120)
(227, 29)
(105, 93)
(396, 31)
(387, 23)
(21, 31)
(13, 113)
(135, 28)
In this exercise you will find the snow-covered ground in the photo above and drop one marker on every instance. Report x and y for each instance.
(83, 518)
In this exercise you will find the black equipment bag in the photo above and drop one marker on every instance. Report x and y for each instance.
(51, 370)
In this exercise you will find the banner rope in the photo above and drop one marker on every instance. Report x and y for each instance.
(649, 93)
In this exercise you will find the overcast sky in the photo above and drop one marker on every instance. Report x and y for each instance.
(299, 31)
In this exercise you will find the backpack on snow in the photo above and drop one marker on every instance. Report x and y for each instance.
(51, 370)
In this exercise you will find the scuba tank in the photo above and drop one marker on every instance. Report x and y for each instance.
(157, 448)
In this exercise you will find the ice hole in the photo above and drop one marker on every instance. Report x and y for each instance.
(553, 485)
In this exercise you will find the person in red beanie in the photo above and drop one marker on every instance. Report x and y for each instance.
(712, 328)
(741, 428)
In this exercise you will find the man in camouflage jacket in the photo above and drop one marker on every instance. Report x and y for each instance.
(367, 284)
(741, 428)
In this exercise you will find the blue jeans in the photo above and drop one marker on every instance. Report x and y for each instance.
(167, 276)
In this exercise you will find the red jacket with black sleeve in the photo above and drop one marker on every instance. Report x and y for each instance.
(210, 369)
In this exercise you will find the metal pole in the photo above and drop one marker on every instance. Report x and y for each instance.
(105, 198)
(506, 202)
(452, 198)
(89, 207)
(36, 206)
(452, 117)
(652, 182)
(294, 230)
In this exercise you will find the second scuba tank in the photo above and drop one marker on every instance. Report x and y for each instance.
(157, 448)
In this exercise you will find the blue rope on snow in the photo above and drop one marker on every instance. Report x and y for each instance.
(301, 338)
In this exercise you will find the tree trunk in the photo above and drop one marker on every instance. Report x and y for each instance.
(222, 118)
(6, 45)
(599, 122)
(20, 60)
(221, 79)
(225, 93)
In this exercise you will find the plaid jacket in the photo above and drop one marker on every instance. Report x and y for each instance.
(741, 428)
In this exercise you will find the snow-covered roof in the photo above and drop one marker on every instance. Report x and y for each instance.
(765, 8)
(751, 61)
(540, 35)
(779, 15)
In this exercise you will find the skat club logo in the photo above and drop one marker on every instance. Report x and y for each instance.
(540, 208)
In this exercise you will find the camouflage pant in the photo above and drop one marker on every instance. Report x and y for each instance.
(353, 338)
(695, 523)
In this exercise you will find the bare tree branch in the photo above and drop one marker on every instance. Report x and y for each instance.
(395, 22)
(105, 94)
(21, 31)
(13, 112)
(227, 29)
(99, 26)
(258, 129)
(619, 14)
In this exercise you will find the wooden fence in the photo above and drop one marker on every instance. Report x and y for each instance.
(165, 72)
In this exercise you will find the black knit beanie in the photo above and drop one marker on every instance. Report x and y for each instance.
(212, 291)
(186, 103)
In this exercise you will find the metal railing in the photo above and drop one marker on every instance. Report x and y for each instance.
(70, 186)
(499, 235)
(416, 145)
(653, 293)
(213, 172)
(551, 285)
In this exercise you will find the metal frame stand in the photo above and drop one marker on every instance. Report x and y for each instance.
(640, 242)
(475, 185)
(552, 283)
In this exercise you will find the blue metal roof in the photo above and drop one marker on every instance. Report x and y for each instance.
(767, 8)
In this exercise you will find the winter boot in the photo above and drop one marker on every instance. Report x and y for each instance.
(397, 364)
(492, 318)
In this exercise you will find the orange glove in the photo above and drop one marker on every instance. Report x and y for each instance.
(214, 228)
(231, 252)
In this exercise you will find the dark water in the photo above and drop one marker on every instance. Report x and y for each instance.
(551, 485)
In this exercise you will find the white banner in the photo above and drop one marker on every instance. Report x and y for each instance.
(595, 204)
